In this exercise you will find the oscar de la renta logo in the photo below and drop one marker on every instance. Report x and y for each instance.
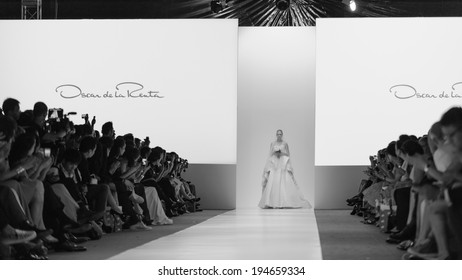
(406, 91)
(120, 90)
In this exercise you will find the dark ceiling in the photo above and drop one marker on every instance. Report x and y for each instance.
(249, 12)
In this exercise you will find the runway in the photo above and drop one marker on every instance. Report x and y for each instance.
(279, 234)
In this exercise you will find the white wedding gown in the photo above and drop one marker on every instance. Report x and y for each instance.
(280, 189)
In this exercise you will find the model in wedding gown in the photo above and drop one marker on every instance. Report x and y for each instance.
(280, 190)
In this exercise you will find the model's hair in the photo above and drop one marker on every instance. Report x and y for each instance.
(280, 131)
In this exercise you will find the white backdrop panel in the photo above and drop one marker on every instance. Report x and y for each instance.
(192, 64)
(377, 78)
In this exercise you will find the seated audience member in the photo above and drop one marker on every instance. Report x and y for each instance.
(446, 213)
(128, 199)
(30, 192)
(154, 174)
(108, 130)
(69, 176)
(12, 109)
(11, 236)
(98, 194)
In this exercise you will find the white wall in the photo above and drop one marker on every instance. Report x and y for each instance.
(215, 184)
(276, 74)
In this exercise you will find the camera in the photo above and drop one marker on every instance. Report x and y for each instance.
(55, 114)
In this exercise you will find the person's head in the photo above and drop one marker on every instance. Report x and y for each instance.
(22, 147)
(108, 129)
(7, 131)
(137, 143)
(391, 150)
(88, 146)
(118, 148)
(402, 138)
(423, 141)
(412, 149)
(146, 142)
(129, 138)
(157, 156)
(11, 108)
(107, 142)
(279, 134)
(40, 113)
(435, 136)
(87, 130)
(145, 152)
(71, 159)
(451, 126)
(132, 155)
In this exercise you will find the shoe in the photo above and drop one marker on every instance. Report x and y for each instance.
(69, 246)
(140, 226)
(16, 236)
(409, 256)
(392, 240)
(49, 239)
(427, 246)
(406, 234)
(394, 230)
(75, 239)
(166, 222)
(404, 245)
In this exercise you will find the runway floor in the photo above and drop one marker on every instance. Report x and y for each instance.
(279, 234)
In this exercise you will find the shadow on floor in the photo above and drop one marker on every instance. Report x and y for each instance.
(344, 237)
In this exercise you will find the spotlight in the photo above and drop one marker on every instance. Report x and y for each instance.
(282, 4)
(216, 6)
(353, 5)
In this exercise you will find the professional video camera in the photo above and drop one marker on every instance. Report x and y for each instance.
(58, 121)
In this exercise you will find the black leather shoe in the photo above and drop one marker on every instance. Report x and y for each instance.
(75, 239)
(405, 234)
(69, 246)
